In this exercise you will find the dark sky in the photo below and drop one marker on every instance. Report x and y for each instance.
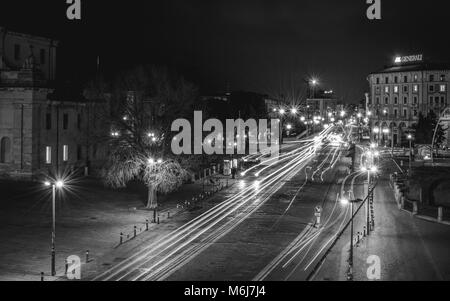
(252, 45)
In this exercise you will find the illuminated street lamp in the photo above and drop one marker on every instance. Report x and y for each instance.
(410, 138)
(345, 202)
(282, 111)
(294, 111)
(57, 184)
(343, 113)
(288, 127)
(302, 119)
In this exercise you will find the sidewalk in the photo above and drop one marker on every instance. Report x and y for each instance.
(408, 248)
(89, 217)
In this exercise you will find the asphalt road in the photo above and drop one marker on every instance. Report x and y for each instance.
(241, 235)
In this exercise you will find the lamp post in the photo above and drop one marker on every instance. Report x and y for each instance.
(345, 201)
(410, 138)
(56, 184)
(371, 169)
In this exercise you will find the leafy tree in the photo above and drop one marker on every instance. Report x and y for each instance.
(143, 102)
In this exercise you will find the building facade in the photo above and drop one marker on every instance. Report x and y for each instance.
(399, 93)
(38, 133)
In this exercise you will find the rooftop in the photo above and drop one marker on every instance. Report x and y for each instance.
(423, 66)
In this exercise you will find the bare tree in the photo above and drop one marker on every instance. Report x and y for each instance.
(143, 102)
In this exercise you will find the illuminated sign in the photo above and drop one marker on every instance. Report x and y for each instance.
(409, 59)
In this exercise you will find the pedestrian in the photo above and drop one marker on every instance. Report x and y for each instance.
(233, 172)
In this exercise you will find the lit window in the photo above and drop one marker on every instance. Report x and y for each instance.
(65, 153)
(415, 77)
(386, 89)
(48, 155)
(442, 88)
(395, 89)
(416, 88)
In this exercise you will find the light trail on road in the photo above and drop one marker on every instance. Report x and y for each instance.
(169, 253)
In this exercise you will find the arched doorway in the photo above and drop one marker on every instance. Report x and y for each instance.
(5, 150)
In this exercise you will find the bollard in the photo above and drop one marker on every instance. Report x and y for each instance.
(364, 231)
(121, 238)
(87, 256)
(440, 214)
(42, 276)
(415, 209)
(66, 266)
(146, 223)
(134, 231)
(158, 219)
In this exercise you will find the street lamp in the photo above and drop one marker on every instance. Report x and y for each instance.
(410, 138)
(345, 202)
(294, 111)
(314, 83)
(370, 169)
(57, 184)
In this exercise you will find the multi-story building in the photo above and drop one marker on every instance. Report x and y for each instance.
(38, 132)
(402, 91)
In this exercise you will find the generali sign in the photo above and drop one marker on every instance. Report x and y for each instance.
(409, 59)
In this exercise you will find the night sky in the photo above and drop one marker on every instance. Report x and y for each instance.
(258, 46)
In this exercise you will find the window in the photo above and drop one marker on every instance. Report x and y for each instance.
(395, 89)
(386, 101)
(436, 100)
(5, 150)
(386, 80)
(431, 88)
(79, 152)
(17, 52)
(415, 113)
(65, 153)
(48, 155)
(415, 77)
(431, 100)
(431, 78)
(442, 88)
(48, 121)
(386, 89)
(42, 56)
(405, 79)
(377, 100)
(416, 88)
(65, 121)
(395, 113)
(405, 89)
(443, 101)
(378, 80)
(415, 100)
(79, 121)
(396, 79)
(395, 100)
(405, 100)
(442, 77)
(405, 113)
